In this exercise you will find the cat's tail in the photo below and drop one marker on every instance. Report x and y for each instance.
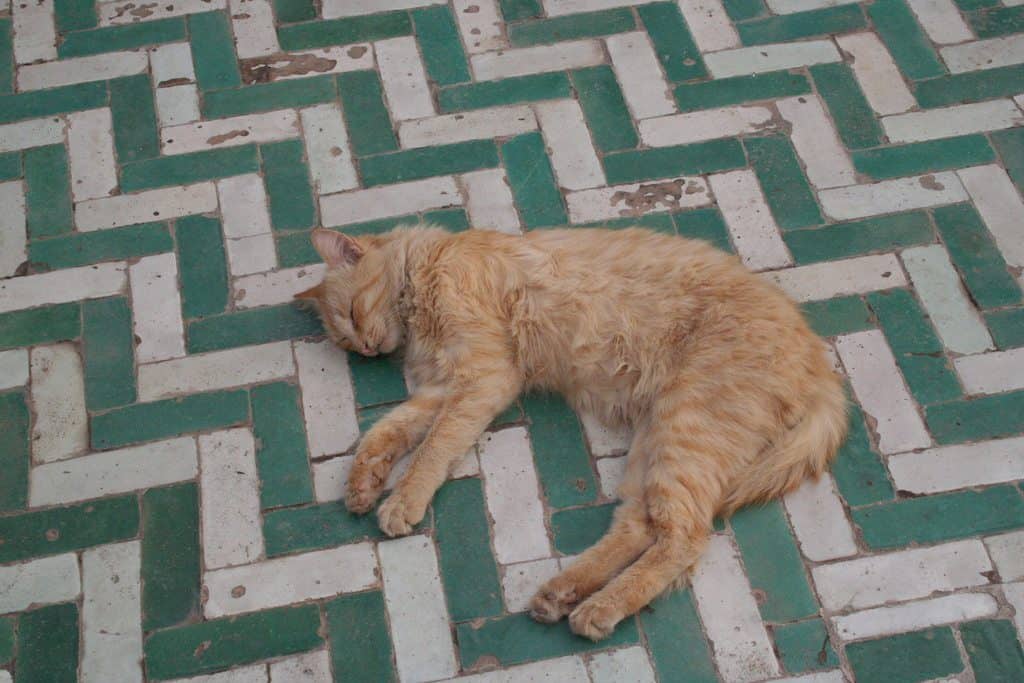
(804, 451)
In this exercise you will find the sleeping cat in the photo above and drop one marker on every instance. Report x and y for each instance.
(730, 395)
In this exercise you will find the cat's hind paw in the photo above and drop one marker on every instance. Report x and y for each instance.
(594, 619)
(394, 517)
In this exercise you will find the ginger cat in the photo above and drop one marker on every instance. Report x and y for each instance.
(730, 394)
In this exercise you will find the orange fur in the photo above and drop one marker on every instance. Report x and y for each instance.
(729, 392)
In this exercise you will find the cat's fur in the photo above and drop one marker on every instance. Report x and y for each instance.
(730, 394)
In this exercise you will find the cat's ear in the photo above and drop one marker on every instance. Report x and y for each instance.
(315, 292)
(335, 248)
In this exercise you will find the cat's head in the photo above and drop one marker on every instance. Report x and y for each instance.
(358, 298)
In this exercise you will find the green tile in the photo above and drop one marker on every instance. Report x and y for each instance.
(548, 86)
(604, 108)
(213, 51)
(14, 450)
(922, 157)
(994, 651)
(841, 315)
(6, 639)
(518, 638)
(289, 190)
(169, 417)
(985, 417)
(48, 209)
(805, 646)
(976, 256)
(997, 21)
(281, 456)
(369, 124)
(968, 5)
(738, 10)
(704, 224)
(426, 162)
(367, 417)
(108, 347)
(1010, 145)
(840, 240)
(293, 11)
(123, 37)
(170, 556)
(940, 517)
(6, 57)
(344, 31)
(675, 639)
(559, 450)
(907, 42)
(440, 45)
(202, 267)
(520, 9)
(577, 529)
(253, 326)
(48, 645)
(453, 220)
(786, 27)
(672, 41)
(30, 105)
(665, 162)
(376, 380)
(533, 182)
(721, 92)
(10, 166)
(60, 322)
(1007, 327)
(858, 470)
(909, 657)
(360, 644)
(74, 15)
(973, 86)
(463, 539)
(222, 643)
(783, 181)
(773, 563)
(290, 530)
(66, 529)
(193, 167)
(571, 27)
(134, 117)
(83, 248)
(300, 92)
(855, 120)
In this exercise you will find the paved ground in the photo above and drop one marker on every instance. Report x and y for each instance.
(174, 434)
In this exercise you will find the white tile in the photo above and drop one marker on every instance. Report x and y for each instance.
(753, 230)
(330, 477)
(1000, 207)
(1007, 552)
(707, 124)
(156, 308)
(709, 24)
(958, 466)
(252, 22)
(825, 159)
(12, 228)
(495, 122)
(143, 207)
(764, 58)
(13, 368)
(569, 146)
(559, 7)
(730, 615)
(990, 373)
(286, 580)
(5, 676)
(414, 598)
(637, 199)
(481, 25)
(890, 196)
(327, 149)
(915, 616)
(41, 581)
(62, 286)
(327, 398)
(351, 8)
(112, 614)
(33, 31)
(121, 471)
(91, 154)
(489, 201)
(177, 105)
(941, 20)
(625, 665)
(311, 667)
(216, 370)
(878, 385)
(1014, 593)
(858, 275)
(130, 12)
(520, 581)
(243, 205)
(791, 6)
(229, 492)
(249, 255)
(171, 62)
(938, 284)
(513, 496)
(81, 70)
(644, 87)
(960, 119)
(255, 673)
(278, 287)
(832, 676)
(604, 440)
(820, 522)
(877, 73)
(61, 426)
(563, 670)
(573, 54)
(404, 78)
(31, 133)
(230, 132)
(389, 200)
(284, 66)
(611, 471)
(901, 575)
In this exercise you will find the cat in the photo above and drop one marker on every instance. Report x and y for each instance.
(731, 396)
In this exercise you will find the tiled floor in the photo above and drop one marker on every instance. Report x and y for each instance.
(175, 434)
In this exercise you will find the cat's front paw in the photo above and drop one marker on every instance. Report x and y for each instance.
(553, 601)
(594, 619)
(360, 497)
(396, 517)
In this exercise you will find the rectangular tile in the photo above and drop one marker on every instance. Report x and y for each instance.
(902, 34)
(262, 97)
(854, 119)
(291, 530)
(636, 65)
(49, 102)
(229, 486)
(281, 455)
(576, 529)
(920, 157)
(946, 122)
(13, 235)
(547, 86)
(888, 196)
(328, 401)
(48, 209)
(344, 31)
(807, 24)
(439, 43)
(254, 326)
(134, 119)
(961, 466)
(230, 132)
(852, 238)
(675, 637)
(393, 200)
(708, 124)
(170, 556)
(532, 181)
(695, 159)
(213, 51)
(368, 120)
(998, 203)
(40, 582)
(407, 165)
(81, 70)
(288, 187)
(637, 199)
(929, 654)
(60, 322)
(985, 417)
(849, 276)
(755, 233)
(914, 615)
(876, 73)
(63, 286)
(60, 429)
(358, 635)
(327, 149)
(582, 25)
(678, 53)
(970, 87)
(111, 632)
(526, 61)
(785, 186)
(127, 37)
(819, 521)
(604, 108)
(77, 526)
(48, 644)
(217, 370)
(766, 58)
(472, 125)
